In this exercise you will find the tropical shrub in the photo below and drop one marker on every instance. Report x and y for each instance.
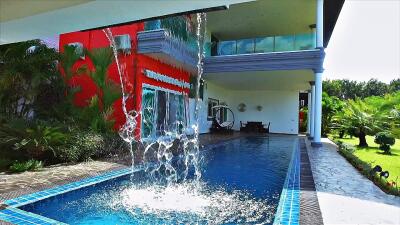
(362, 118)
(37, 139)
(25, 69)
(368, 116)
(81, 146)
(385, 140)
(30, 165)
(331, 105)
(113, 145)
(97, 114)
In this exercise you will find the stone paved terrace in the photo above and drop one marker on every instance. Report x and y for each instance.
(344, 195)
(14, 185)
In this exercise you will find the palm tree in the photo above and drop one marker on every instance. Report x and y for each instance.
(25, 68)
(98, 112)
(368, 116)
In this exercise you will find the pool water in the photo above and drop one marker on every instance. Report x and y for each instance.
(241, 183)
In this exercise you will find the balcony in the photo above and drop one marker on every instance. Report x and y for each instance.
(285, 43)
(170, 41)
(290, 52)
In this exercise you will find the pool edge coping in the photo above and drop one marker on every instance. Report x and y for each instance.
(290, 214)
(11, 205)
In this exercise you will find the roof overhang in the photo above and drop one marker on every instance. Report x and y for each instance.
(277, 80)
(331, 14)
(22, 20)
(272, 18)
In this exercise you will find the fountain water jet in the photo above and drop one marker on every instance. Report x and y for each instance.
(158, 159)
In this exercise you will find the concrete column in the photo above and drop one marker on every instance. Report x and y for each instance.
(312, 111)
(318, 77)
(317, 111)
(309, 113)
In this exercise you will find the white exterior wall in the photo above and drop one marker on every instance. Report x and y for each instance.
(210, 91)
(281, 108)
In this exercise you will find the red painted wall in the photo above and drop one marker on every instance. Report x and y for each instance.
(133, 66)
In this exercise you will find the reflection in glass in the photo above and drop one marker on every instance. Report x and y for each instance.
(305, 41)
(265, 44)
(227, 48)
(284, 43)
(148, 112)
(162, 111)
(245, 46)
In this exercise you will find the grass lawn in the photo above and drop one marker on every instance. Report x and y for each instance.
(373, 155)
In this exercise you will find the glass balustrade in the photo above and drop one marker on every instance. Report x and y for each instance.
(284, 43)
(182, 29)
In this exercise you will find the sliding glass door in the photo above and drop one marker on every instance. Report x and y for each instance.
(163, 113)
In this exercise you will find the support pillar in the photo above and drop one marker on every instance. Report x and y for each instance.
(318, 77)
(309, 113)
(312, 111)
(317, 111)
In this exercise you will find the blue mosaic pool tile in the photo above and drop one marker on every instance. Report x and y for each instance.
(20, 217)
(288, 212)
(16, 216)
(30, 198)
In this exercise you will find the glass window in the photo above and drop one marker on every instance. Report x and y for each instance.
(173, 103)
(245, 46)
(284, 43)
(181, 118)
(265, 44)
(152, 25)
(227, 48)
(305, 41)
(162, 111)
(148, 110)
(161, 119)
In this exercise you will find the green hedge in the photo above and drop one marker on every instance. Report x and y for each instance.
(347, 151)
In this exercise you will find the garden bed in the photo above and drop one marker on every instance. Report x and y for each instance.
(366, 158)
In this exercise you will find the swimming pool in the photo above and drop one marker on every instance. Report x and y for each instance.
(252, 180)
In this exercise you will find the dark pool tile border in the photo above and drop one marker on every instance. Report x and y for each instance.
(310, 212)
(288, 212)
(10, 212)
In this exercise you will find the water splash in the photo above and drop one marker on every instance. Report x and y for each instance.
(127, 131)
(186, 203)
(171, 153)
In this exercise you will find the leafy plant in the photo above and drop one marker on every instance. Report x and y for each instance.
(35, 139)
(80, 147)
(385, 140)
(30, 165)
(25, 67)
(97, 114)
(331, 105)
(347, 151)
(364, 117)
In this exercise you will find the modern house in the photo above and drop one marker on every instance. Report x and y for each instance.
(265, 54)
(260, 55)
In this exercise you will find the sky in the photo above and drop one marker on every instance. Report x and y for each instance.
(365, 43)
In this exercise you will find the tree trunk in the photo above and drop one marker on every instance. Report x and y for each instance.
(362, 140)
(341, 134)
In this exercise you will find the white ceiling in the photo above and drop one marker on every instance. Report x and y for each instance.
(293, 80)
(24, 20)
(263, 18)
